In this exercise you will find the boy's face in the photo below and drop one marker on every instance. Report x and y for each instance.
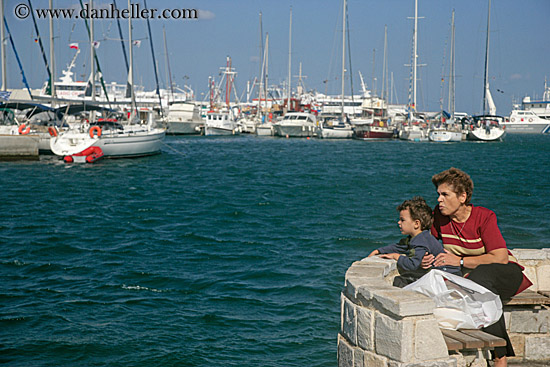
(407, 225)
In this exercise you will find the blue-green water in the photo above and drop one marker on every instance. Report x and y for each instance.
(223, 251)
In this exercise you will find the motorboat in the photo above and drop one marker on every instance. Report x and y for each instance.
(296, 125)
(526, 122)
(335, 129)
(183, 118)
(375, 130)
(221, 123)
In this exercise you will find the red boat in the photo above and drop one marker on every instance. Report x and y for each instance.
(88, 155)
(374, 131)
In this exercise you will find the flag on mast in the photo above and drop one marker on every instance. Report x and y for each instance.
(73, 45)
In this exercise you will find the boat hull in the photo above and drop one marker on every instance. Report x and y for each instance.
(113, 145)
(444, 136)
(213, 131)
(184, 127)
(373, 132)
(527, 128)
(294, 131)
(482, 134)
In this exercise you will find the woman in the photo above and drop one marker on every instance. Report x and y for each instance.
(472, 240)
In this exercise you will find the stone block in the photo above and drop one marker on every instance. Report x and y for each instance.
(374, 360)
(403, 303)
(529, 254)
(366, 271)
(394, 339)
(345, 353)
(355, 287)
(531, 273)
(537, 348)
(543, 277)
(349, 321)
(365, 291)
(518, 343)
(365, 328)
(388, 264)
(429, 342)
(531, 321)
(358, 358)
(449, 362)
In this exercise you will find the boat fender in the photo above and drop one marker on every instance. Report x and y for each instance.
(24, 131)
(52, 131)
(95, 130)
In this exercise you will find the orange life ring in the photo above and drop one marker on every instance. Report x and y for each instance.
(95, 130)
(52, 131)
(24, 131)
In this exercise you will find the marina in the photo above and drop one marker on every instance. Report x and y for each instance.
(203, 190)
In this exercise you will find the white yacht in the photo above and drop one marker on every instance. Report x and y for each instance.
(296, 125)
(526, 122)
(183, 118)
(487, 128)
(221, 123)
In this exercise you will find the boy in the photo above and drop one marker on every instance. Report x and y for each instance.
(415, 221)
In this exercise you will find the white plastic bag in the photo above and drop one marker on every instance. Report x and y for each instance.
(460, 303)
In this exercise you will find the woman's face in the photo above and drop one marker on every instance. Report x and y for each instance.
(449, 201)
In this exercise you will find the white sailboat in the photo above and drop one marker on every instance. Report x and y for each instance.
(445, 129)
(339, 129)
(118, 135)
(487, 127)
(414, 128)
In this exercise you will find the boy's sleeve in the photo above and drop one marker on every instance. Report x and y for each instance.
(400, 248)
(414, 262)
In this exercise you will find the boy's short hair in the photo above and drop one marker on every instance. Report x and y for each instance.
(419, 210)
(458, 179)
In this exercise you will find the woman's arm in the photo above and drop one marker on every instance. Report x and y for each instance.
(497, 256)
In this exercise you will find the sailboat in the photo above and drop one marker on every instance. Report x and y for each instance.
(488, 126)
(444, 129)
(339, 129)
(414, 128)
(117, 134)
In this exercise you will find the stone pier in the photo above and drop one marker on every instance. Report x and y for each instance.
(18, 147)
(385, 326)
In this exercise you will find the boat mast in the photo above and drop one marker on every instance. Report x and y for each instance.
(131, 74)
(52, 59)
(415, 52)
(92, 49)
(169, 76)
(486, 77)
(2, 45)
(260, 86)
(289, 59)
(384, 93)
(451, 105)
(343, 57)
(228, 82)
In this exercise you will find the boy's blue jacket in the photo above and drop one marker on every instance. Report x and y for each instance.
(414, 250)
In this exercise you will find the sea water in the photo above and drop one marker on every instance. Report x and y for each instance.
(224, 251)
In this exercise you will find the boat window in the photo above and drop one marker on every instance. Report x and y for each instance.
(302, 117)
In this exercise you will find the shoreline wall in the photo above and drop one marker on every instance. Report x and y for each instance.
(385, 326)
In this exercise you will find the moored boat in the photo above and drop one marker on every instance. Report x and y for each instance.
(526, 122)
(296, 125)
(487, 128)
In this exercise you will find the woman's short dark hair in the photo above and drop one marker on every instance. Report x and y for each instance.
(419, 211)
(458, 179)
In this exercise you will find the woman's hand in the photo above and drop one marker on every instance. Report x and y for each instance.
(447, 259)
(427, 261)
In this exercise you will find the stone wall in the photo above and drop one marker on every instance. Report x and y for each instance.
(385, 326)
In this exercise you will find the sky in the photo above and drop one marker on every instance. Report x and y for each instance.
(197, 48)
